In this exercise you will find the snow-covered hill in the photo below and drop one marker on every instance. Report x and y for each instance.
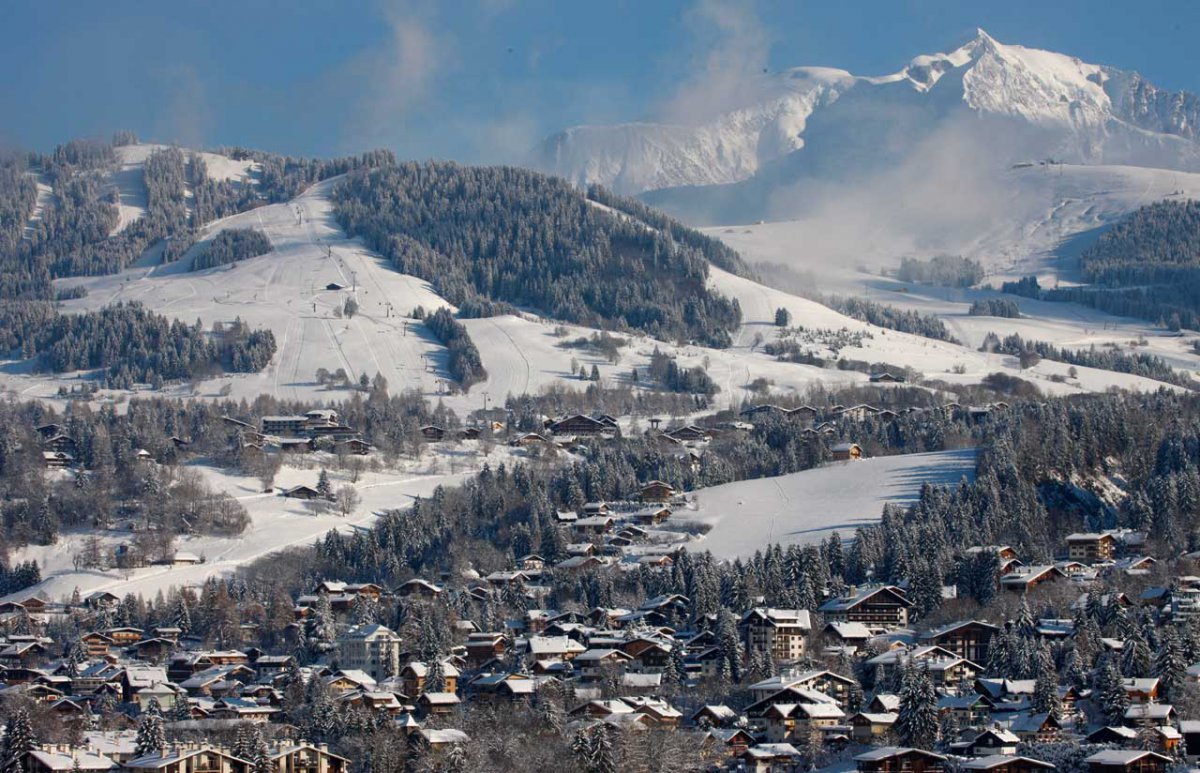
(1062, 107)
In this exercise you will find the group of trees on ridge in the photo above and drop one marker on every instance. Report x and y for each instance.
(486, 235)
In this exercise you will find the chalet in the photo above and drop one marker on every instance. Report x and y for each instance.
(580, 425)
(353, 446)
(1026, 578)
(60, 442)
(714, 715)
(781, 633)
(124, 636)
(531, 439)
(860, 412)
(1037, 728)
(420, 588)
(735, 740)
(57, 459)
(52, 758)
(843, 452)
(652, 516)
(438, 740)
(283, 425)
(899, 759)
(969, 710)
(1005, 763)
(795, 721)
(578, 563)
(688, 434)
(302, 492)
(1091, 548)
(770, 757)
(189, 758)
(1128, 761)
(483, 648)
(657, 491)
(433, 432)
(886, 378)
(847, 637)
(594, 663)
(1113, 735)
(880, 607)
(594, 524)
(242, 709)
(415, 673)
(806, 415)
(967, 639)
(96, 644)
(758, 411)
(296, 445)
(1142, 690)
(866, 728)
(300, 757)
(547, 648)
(994, 741)
(808, 685)
(1155, 713)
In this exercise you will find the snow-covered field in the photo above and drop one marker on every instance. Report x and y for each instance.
(1051, 212)
(807, 506)
(277, 522)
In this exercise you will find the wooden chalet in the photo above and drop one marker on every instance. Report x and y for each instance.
(899, 759)
(657, 491)
(1128, 761)
(881, 607)
(845, 452)
(1091, 548)
(968, 639)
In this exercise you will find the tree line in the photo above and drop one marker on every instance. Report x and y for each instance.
(483, 235)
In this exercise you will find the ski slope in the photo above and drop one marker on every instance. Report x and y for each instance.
(287, 291)
(806, 507)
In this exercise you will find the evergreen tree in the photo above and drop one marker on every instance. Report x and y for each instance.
(1045, 688)
(151, 732)
(1169, 665)
(917, 723)
(18, 740)
(1110, 689)
(324, 488)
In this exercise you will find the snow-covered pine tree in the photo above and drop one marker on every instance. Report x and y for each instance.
(18, 739)
(151, 732)
(917, 724)
(1110, 689)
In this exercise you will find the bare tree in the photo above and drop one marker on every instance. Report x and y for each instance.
(347, 499)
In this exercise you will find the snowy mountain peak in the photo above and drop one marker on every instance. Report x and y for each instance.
(1078, 111)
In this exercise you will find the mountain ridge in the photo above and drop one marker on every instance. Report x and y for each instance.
(1086, 113)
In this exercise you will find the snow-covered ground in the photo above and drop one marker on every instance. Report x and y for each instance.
(807, 506)
(1049, 214)
(286, 291)
(277, 522)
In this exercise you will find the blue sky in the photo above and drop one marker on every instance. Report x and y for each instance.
(482, 80)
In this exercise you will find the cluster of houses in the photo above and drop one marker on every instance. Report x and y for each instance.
(823, 421)
(58, 447)
(118, 753)
(317, 429)
(629, 668)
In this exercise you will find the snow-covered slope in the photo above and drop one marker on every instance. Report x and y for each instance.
(645, 156)
(1068, 109)
(806, 507)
